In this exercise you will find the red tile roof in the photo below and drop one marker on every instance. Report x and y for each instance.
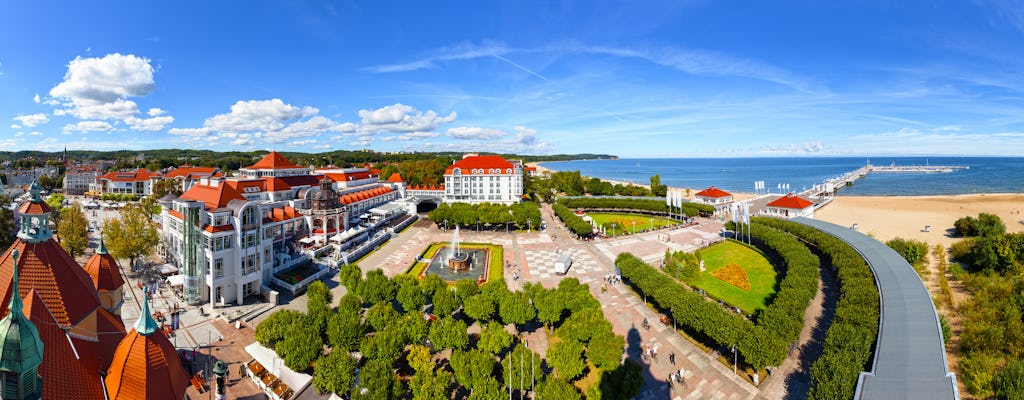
(348, 176)
(219, 229)
(277, 185)
(426, 187)
(191, 172)
(110, 330)
(70, 368)
(176, 214)
(470, 163)
(213, 196)
(274, 160)
(241, 185)
(364, 195)
(104, 272)
(29, 207)
(791, 201)
(713, 192)
(63, 285)
(138, 175)
(146, 367)
(395, 178)
(283, 214)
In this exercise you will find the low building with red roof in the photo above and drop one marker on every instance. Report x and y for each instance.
(137, 182)
(273, 164)
(715, 197)
(483, 179)
(78, 178)
(790, 206)
(344, 178)
(186, 176)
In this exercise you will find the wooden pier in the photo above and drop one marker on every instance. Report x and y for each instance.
(824, 192)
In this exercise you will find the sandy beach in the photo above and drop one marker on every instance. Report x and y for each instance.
(887, 217)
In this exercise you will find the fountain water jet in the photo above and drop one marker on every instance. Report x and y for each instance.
(457, 259)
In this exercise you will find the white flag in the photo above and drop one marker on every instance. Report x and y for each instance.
(668, 198)
(779, 186)
(735, 212)
(746, 213)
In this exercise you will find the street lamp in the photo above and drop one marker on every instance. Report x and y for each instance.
(673, 312)
(734, 359)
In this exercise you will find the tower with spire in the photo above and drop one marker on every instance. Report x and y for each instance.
(21, 351)
(145, 365)
(106, 275)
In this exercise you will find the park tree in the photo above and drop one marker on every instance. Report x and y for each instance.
(74, 231)
(335, 372)
(605, 349)
(276, 327)
(350, 303)
(133, 235)
(47, 182)
(496, 290)
(377, 287)
(657, 189)
(550, 306)
(431, 385)
(383, 345)
(6, 222)
(623, 382)
(410, 296)
(473, 368)
(556, 388)
(164, 187)
(378, 380)
(516, 309)
(445, 302)
(465, 288)
(318, 305)
(419, 358)
(56, 203)
(449, 333)
(431, 284)
(412, 327)
(566, 357)
(344, 330)
(479, 307)
(301, 346)
(381, 315)
(580, 326)
(351, 276)
(494, 338)
(489, 389)
(515, 367)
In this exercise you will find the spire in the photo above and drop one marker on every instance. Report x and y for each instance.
(103, 248)
(21, 349)
(34, 190)
(15, 305)
(145, 325)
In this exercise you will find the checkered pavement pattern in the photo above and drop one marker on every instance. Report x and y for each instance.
(542, 263)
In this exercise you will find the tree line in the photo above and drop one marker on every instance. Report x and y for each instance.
(383, 320)
(574, 222)
(606, 203)
(849, 341)
(520, 215)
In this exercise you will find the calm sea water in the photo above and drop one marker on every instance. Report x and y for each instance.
(986, 174)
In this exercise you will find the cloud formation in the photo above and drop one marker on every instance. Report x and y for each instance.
(88, 126)
(400, 118)
(32, 119)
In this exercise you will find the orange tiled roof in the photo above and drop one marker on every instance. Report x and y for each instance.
(30, 207)
(62, 284)
(274, 160)
(277, 185)
(213, 196)
(364, 195)
(104, 272)
(110, 330)
(146, 367)
(138, 175)
(791, 201)
(191, 172)
(219, 228)
(348, 176)
(283, 214)
(176, 214)
(70, 368)
(395, 178)
(427, 187)
(713, 192)
(479, 162)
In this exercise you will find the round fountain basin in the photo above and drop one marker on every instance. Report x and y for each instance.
(459, 261)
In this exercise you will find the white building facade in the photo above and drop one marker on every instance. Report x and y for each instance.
(483, 179)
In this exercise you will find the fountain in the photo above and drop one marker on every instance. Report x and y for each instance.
(457, 259)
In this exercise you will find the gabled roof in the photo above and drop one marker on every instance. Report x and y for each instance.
(138, 175)
(713, 192)
(192, 172)
(61, 283)
(791, 201)
(277, 185)
(103, 270)
(70, 368)
(395, 178)
(479, 162)
(274, 160)
(213, 196)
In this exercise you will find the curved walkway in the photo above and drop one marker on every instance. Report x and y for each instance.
(910, 357)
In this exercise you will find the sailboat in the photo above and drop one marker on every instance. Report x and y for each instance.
(638, 164)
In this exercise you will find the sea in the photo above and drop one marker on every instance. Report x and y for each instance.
(985, 174)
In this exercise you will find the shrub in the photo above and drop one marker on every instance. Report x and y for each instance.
(572, 221)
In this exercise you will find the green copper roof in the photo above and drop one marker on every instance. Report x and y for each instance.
(34, 190)
(145, 325)
(103, 247)
(21, 349)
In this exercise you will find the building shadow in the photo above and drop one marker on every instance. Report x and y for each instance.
(634, 349)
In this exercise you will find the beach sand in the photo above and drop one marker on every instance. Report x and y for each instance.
(887, 217)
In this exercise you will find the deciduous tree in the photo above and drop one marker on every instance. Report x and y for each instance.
(494, 338)
(516, 309)
(556, 388)
(132, 235)
(479, 307)
(274, 329)
(566, 357)
(73, 228)
(301, 346)
(335, 372)
(449, 333)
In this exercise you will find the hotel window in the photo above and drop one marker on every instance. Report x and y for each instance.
(218, 267)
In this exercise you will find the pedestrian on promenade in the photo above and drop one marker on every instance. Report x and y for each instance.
(672, 358)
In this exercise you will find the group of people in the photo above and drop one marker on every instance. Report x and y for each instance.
(650, 354)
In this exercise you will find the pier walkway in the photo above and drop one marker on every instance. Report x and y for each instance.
(823, 193)
(910, 356)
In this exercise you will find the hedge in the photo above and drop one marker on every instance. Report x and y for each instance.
(758, 346)
(849, 342)
(690, 209)
(572, 221)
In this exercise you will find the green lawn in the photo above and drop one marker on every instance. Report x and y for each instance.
(759, 271)
(624, 222)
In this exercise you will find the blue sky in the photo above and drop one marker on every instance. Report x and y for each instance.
(631, 78)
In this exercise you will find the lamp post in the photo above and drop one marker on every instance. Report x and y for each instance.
(734, 359)
(673, 312)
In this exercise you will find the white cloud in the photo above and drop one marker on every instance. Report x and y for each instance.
(47, 144)
(401, 118)
(266, 121)
(523, 141)
(411, 136)
(192, 132)
(35, 133)
(106, 79)
(156, 112)
(88, 126)
(15, 126)
(298, 143)
(258, 115)
(32, 119)
(325, 146)
(475, 133)
(149, 124)
(36, 98)
(19, 134)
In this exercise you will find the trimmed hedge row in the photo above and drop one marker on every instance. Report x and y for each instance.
(785, 315)
(572, 221)
(850, 340)
(690, 209)
(758, 346)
